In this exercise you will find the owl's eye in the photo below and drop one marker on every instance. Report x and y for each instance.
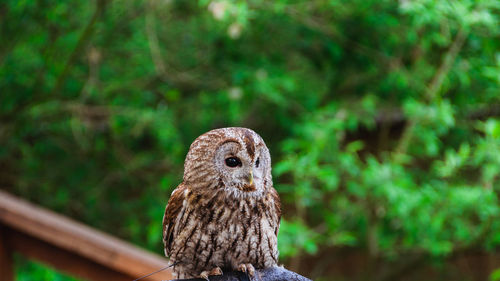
(233, 162)
(257, 162)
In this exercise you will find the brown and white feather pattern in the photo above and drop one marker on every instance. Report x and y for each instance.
(216, 217)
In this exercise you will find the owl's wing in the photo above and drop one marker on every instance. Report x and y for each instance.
(277, 204)
(172, 210)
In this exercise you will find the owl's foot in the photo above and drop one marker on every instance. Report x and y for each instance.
(215, 271)
(247, 268)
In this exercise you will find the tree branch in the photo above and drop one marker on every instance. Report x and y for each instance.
(434, 87)
(448, 60)
(87, 32)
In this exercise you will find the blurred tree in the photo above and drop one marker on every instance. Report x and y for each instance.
(382, 118)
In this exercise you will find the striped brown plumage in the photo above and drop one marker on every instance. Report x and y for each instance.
(223, 217)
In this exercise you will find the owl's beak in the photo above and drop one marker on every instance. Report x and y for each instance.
(250, 178)
(250, 186)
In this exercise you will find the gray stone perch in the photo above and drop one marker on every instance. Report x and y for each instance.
(268, 274)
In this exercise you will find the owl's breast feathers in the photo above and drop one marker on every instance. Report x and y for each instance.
(204, 230)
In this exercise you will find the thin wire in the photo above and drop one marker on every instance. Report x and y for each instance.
(161, 269)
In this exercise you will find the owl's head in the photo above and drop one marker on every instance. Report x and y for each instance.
(236, 159)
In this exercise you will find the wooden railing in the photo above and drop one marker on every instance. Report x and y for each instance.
(69, 246)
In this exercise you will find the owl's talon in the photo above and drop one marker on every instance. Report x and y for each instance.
(207, 273)
(204, 275)
(247, 268)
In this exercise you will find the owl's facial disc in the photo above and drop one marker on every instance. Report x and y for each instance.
(238, 169)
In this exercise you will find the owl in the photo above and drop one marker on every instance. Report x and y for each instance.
(225, 215)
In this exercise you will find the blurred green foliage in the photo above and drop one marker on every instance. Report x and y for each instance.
(381, 117)
(27, 270)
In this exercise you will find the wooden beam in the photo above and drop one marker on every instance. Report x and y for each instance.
(6, 263)
(63, 233)
(63, 260)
